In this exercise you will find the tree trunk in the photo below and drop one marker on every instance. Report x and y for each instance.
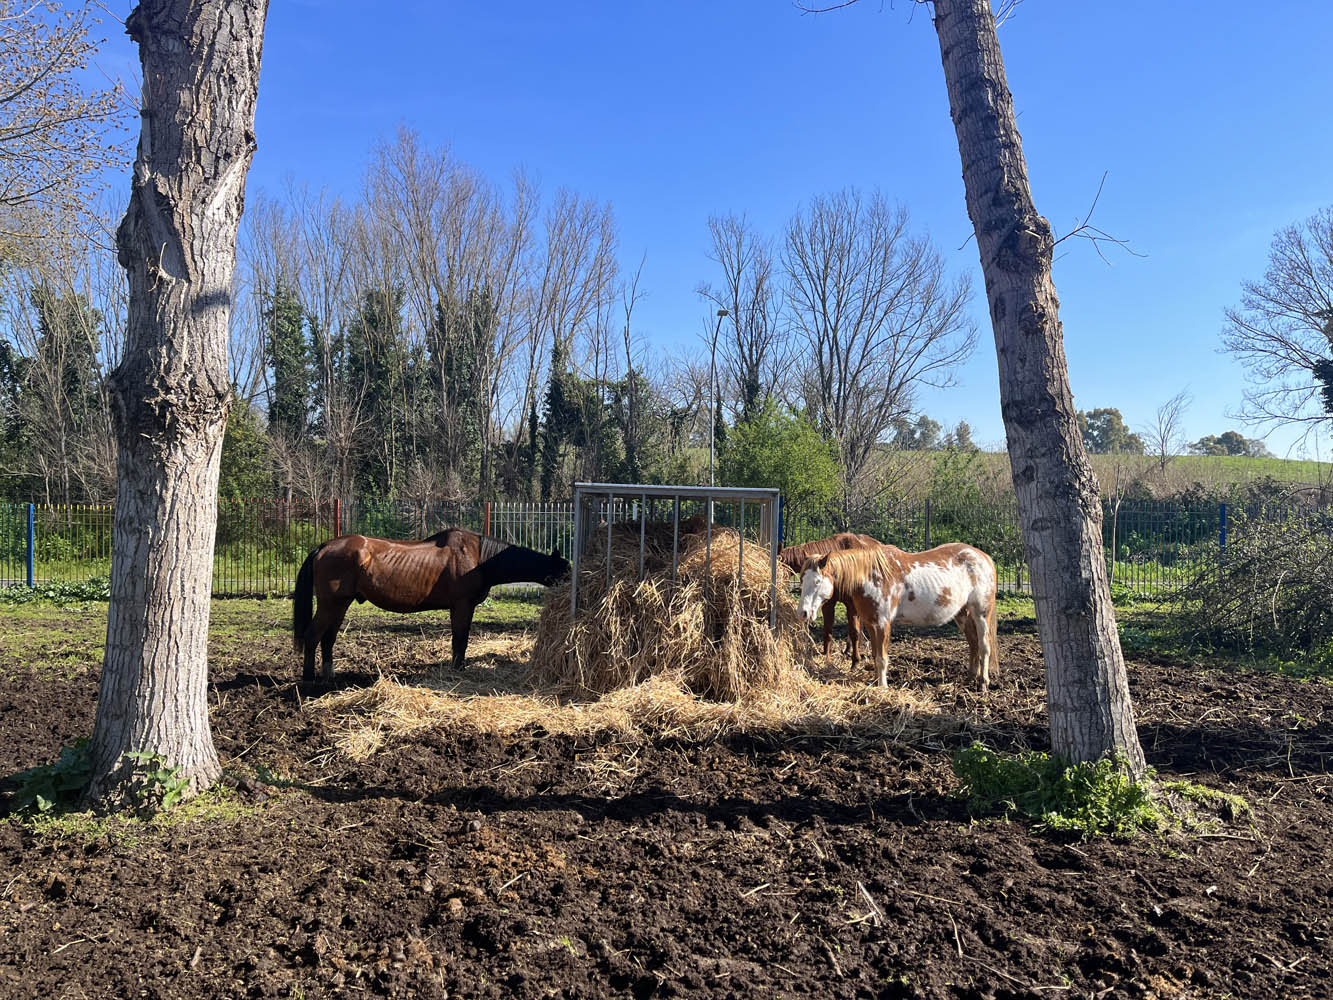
(1059, 507)
(171, 392)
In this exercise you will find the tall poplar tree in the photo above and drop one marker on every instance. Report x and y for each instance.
(1087, 689)
(171, 391)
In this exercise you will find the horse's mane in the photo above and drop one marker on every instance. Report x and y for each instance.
(848, 568)
(796, 555)
(487, 546)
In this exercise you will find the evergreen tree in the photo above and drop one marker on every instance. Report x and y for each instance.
(1105, 433)
(376, 368)
(557, 414)
(287, 355)
(245, 469)
(14, 444)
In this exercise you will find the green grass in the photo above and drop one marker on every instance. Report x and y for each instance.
(66, 640)
(1235, 469)
(219, 805)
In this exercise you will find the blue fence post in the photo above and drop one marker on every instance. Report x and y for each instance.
(32, 540)
(782, 523)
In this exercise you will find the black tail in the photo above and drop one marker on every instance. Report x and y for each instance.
(303, 601)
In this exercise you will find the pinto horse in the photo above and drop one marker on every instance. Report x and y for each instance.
(453, 569)
(794, 558)
(920, 588)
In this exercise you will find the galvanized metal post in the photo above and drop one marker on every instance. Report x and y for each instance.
(708, 549)
(774, 517)
(32, 540)
(574, 561)
(740, 552)
(1221, 539)
(927, 522)
(675, 534)
(643, 527)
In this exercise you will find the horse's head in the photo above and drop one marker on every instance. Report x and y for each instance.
(559, 569)
(816, 587)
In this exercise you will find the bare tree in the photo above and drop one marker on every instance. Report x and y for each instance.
(1059, 507)
(1282, 332)
(877, 315)
(56, 133)
(754, 350)
(171, 392)
(1165, 436)
(574, 285)
(65, 311)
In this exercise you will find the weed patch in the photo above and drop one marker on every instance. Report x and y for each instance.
(49, 787)
(1091, 800)
(97, 588)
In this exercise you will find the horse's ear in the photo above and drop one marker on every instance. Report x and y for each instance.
(555, 553)
(823, 561)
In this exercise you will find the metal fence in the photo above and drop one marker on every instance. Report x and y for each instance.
(1153, 548)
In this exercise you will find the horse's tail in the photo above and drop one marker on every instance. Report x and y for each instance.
(303, 600)
(993, 635)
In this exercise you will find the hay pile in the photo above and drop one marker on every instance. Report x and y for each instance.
(701, 630)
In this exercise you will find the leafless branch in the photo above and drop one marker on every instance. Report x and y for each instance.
(1084, 230)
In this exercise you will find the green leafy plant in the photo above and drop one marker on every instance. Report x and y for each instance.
(62, 783)
(1095, 799)
(160, 784)
(97, 588)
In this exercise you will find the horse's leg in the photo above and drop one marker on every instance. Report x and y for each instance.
(853, 632)
(332, 624)
(987, 642)
(830, 608)
(460, 623)
(882, 654)
(967, 624)
(876, 638)
(314, 632)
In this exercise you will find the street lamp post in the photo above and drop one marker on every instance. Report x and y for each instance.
(712, 396)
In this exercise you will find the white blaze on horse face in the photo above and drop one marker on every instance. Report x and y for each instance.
(816, 588)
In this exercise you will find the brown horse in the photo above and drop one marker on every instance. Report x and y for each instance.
(453, 569)
(794, 558)
(953, 581)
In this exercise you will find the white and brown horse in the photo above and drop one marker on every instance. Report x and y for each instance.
(953, 581)
(794, 557)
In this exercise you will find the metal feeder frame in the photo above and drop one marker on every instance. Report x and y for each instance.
(770, 508)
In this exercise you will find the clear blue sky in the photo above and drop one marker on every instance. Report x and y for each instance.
(1211, 120)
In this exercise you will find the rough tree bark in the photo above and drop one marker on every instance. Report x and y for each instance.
(1059, 506)
(171, 392)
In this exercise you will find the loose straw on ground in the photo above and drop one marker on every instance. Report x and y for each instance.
(692, 657)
